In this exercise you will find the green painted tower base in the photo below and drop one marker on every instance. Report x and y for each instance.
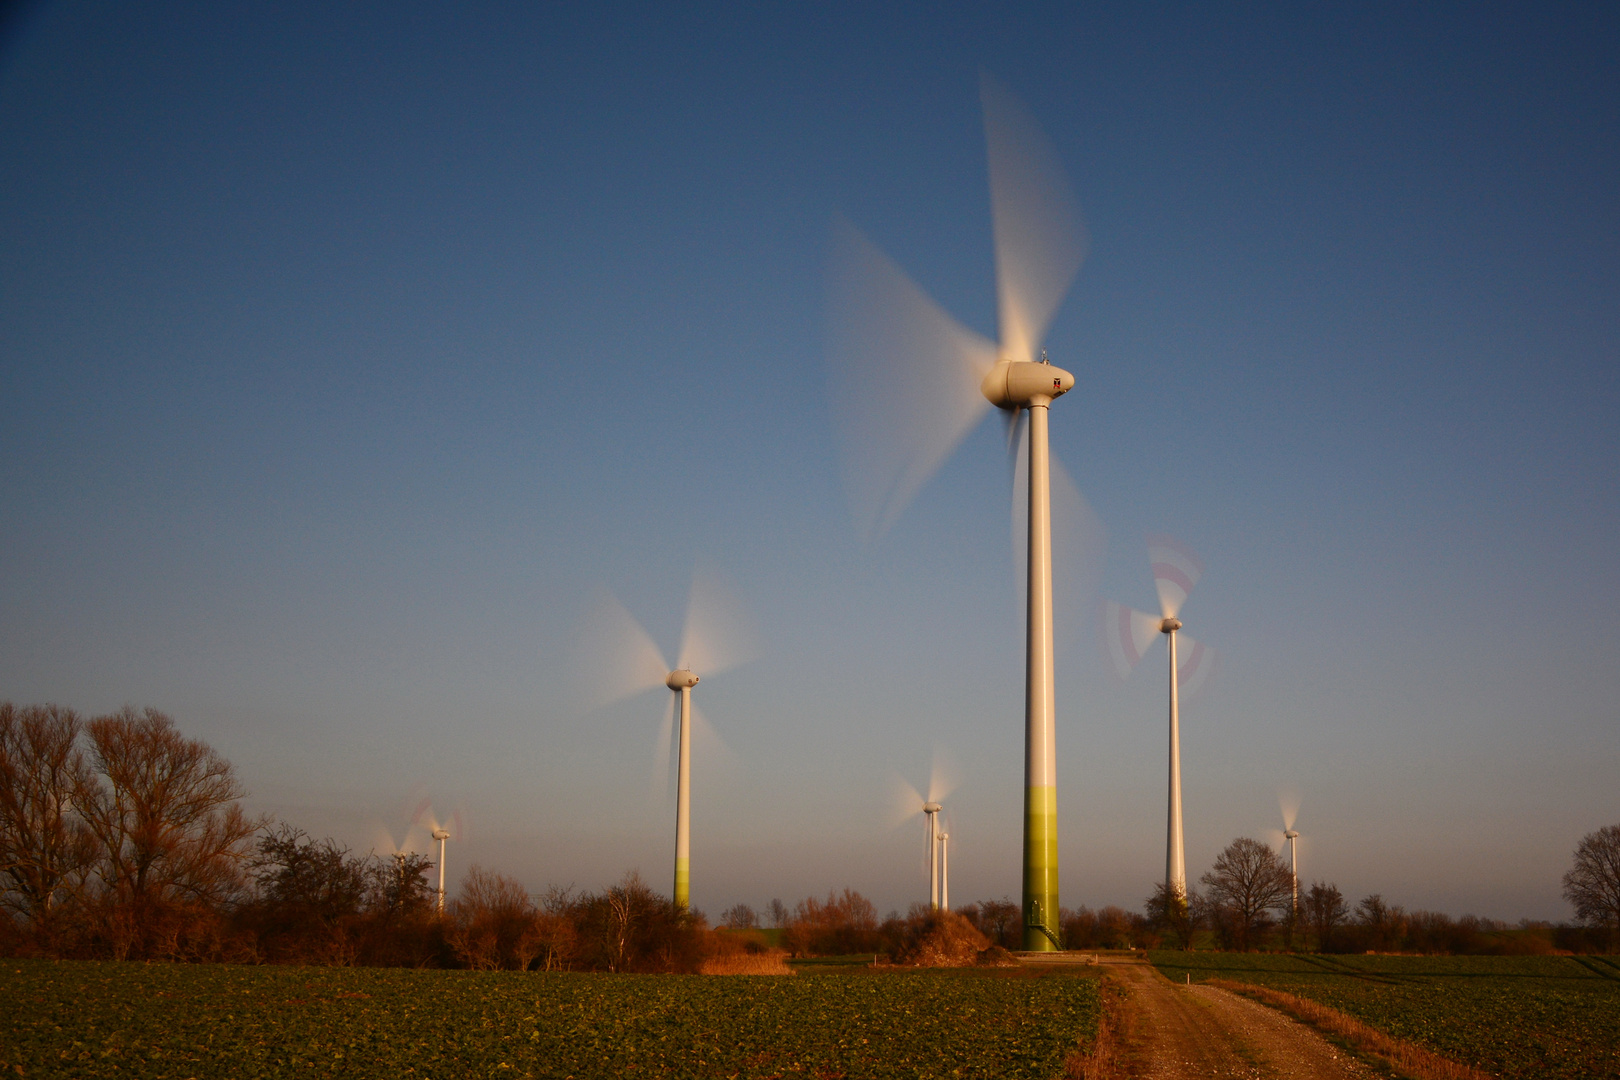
(683, 883)
(1041, 930)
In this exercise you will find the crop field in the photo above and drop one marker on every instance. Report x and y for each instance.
(84, 1019)
(1512, 1016)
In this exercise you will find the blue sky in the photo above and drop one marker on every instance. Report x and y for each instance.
(347, 356)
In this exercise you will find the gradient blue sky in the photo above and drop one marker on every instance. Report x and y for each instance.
(347, 352)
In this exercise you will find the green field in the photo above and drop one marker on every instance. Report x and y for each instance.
(1512, 1016)
(83, 1019)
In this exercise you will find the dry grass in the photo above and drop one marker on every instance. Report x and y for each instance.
(1101, 1060)
(745, 963)
(1405, 1057)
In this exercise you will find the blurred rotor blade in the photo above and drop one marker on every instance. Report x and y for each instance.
(664, 751)
(424, 809)
(1276, 839)
(1175, 571)
(941, 778)
(1040, 240)
(715, 750)
(1127, 634)
(458, 825)
(1288, 803)
(1079, 541)
(903, 377)
(719, 634)
(1195, 665)
(616, 658)
(382, 841)
(907, 803)
(1013, 422)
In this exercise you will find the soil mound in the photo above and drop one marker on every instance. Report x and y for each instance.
(942, 939)
(996, 956)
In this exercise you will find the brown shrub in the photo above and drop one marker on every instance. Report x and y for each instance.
(941, 939)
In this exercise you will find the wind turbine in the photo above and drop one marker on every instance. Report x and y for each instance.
(1288, 803)
(1128, 634)
(909, 803)
(909, 382)
(437, 831)
(716, 636)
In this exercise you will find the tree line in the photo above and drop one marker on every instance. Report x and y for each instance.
(122, 838)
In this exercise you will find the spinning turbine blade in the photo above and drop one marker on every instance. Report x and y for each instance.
(718, 634)
(904, 380)
(1127, 634)
(1078, 538)
(714, 747)
(1288, 803)
(1039, 238)
(616, 657)
(1175, 571)
(907, 803)
(1195, 664)
(941, 779)
(661, 753)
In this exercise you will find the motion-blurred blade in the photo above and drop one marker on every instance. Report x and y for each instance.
(719, 634)
(1175, 571)
(904, 380)
(1288, 803)
(715, 751)
(1276, 839)
(906, 802)
(616, 658)
(664, 749)
(1127, 634)
(941, 777)
(383, 843)
(1195, 665)
(1040, 240)
(1079, 541)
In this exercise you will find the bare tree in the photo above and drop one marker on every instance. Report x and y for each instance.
(171, 833)
(1592, 885)
(493, 922)
(1325, 910)
(1172, 914)
(740, 917)
(1247, 881)
(779, 914)
(46, 853)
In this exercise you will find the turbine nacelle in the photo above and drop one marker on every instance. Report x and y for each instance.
(440, 834)
(1290, 835)
(681, 679)
(932, 808)
(1022, 384)
(1170, 625)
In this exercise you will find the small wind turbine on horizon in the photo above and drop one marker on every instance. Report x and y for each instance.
(1128, 635)
(909, 803)
(1288, 803)
(439, 832)
(715, 637)
(909, 382)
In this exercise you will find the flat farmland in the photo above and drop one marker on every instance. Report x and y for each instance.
(1511, 1016)
(87, 1019)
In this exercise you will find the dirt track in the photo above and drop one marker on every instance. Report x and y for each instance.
(1177, 1032)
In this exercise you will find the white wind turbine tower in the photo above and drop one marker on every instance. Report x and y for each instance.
(717, 635)
(944, 871)
(1128, 634)
(909, 382)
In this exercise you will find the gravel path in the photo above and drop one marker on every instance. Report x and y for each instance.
(1201, 1032)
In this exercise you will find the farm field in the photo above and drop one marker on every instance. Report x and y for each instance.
(1511, 1016)
(87, 1019)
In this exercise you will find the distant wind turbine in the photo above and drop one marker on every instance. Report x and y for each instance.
(717, 636)
(1128, 634)
(909, 803)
